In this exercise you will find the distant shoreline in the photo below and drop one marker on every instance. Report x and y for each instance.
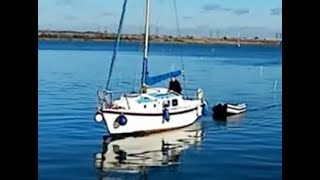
(110, 37)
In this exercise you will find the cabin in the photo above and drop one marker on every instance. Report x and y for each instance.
(153, 100)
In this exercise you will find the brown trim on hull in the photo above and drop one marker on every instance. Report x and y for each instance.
(147, 114)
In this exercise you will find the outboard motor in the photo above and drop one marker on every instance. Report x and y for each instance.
(200, 95)
(204, 105)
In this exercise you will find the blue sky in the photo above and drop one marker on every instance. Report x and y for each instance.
(196, 17)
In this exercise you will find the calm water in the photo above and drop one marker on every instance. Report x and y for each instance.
(246, 147)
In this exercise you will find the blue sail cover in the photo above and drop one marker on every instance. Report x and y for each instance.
(156, 79)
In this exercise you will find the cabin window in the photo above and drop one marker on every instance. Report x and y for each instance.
(166, 103)
(154, 105)
(145, 106)
(174, 102)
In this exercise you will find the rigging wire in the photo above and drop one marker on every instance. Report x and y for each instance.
(140, 48)
(179, 35)
(116, 45)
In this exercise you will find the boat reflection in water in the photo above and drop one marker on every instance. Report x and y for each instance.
(230, 121)
(134, 154)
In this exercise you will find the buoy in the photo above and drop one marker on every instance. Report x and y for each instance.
(98, 156)
(98, 117)
(165, 114)
(122, 120)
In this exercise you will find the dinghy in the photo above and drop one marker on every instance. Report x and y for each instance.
(152, 109)
(222, 110)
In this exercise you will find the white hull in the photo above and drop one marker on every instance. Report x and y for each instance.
(151, 123)
(236, 109)
(233, 111)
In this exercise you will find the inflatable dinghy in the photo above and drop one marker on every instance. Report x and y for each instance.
(228, 109)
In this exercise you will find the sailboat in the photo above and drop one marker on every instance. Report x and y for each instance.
(238, 44)
(151, 109)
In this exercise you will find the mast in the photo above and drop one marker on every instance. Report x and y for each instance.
(146, 44)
